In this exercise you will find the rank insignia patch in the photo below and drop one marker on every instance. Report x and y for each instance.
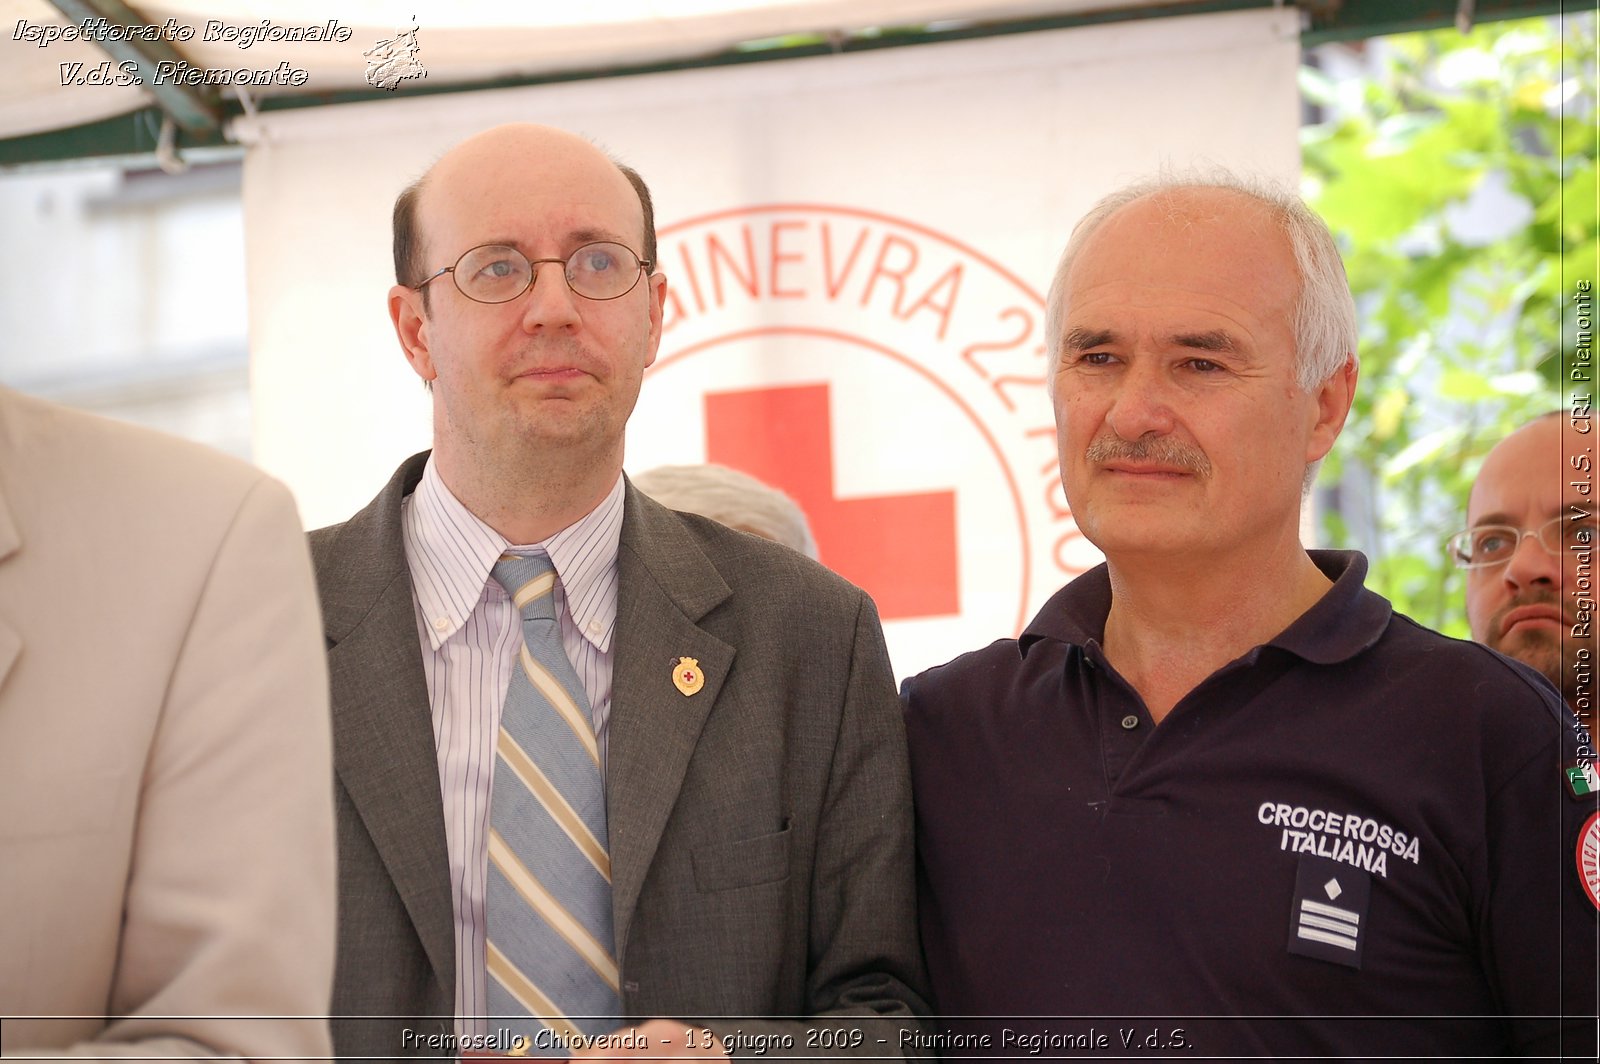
(1328, 918)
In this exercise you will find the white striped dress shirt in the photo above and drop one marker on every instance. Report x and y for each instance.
(470, 633)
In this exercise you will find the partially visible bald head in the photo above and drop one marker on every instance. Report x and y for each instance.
(524, 150)
(1536, 604)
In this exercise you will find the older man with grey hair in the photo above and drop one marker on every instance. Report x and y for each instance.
(730, 498)
(1219, 799)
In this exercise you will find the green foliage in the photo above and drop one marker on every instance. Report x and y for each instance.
(1462, 338)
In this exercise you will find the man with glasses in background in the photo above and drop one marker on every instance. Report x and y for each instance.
(596, 760)
(1528, 550)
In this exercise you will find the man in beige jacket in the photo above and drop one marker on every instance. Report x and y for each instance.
(166, 837)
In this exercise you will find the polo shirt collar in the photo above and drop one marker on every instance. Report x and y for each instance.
(1345, 621)
(452, 552)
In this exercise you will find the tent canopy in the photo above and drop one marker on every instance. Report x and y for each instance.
(98, 78)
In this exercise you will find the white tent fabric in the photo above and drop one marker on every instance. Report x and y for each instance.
(457, 42)
(856, 248)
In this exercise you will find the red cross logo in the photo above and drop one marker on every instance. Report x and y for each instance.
(900, 548)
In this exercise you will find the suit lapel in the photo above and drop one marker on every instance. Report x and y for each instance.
(665, 586)
(384, 751)
(10, 638)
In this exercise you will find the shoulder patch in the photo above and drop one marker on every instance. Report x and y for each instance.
(1588, 858)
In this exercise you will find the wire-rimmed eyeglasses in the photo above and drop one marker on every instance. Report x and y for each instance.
(1474, 548)
(494, 273)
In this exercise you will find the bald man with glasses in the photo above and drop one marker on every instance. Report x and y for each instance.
(597, 761)
(1529, 553)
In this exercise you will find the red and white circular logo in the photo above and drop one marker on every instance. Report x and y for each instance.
(1588, 858)
(891, 379)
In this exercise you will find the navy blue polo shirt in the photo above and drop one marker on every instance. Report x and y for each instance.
(1355, 839)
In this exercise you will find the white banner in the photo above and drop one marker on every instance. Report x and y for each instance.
(856, 249)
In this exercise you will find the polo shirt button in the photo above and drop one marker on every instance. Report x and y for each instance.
(1130, 722)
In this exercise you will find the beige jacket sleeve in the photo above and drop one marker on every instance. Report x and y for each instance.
(166, 836)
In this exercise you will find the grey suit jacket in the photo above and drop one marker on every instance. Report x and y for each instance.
(760, 830)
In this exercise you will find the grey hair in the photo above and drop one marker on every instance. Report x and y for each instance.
(731, 498)
(1325, 312)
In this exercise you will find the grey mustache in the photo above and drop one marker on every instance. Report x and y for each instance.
(1160, 449)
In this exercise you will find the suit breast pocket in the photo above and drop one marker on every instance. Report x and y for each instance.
(742, 862)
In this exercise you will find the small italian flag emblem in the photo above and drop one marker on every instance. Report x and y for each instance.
(1582, 778)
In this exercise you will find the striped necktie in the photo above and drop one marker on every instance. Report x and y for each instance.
(550, 954)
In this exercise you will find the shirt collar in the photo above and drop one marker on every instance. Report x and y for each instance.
(1346, 620)
(585, 557)
(451, 552)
